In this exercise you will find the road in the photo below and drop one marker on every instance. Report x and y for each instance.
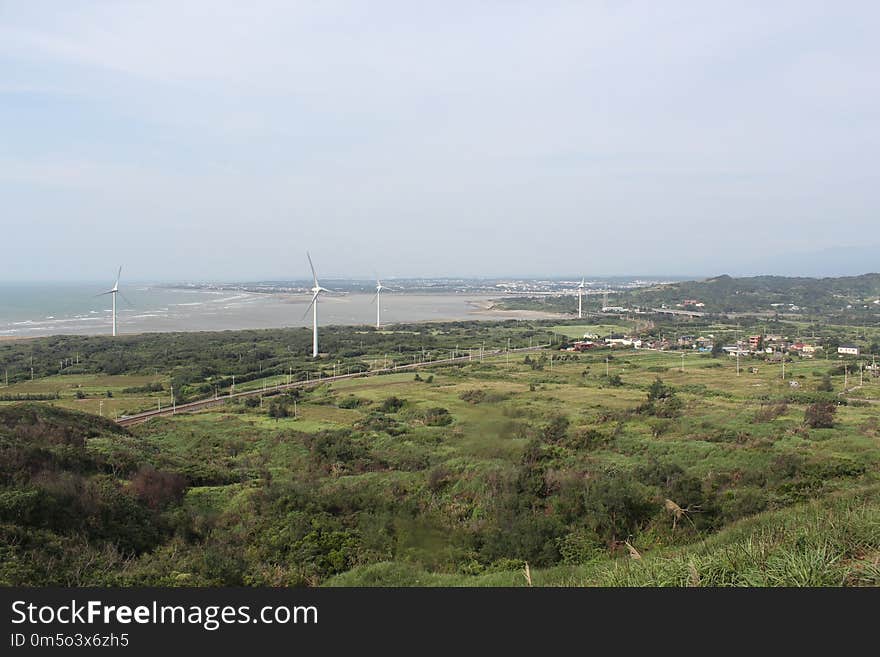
(202, 404)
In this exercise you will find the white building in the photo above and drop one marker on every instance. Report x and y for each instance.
(848, 350)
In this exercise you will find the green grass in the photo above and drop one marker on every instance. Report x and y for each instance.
(825, 543)
(348, 494)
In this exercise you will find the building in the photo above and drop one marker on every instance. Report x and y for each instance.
(848, 350)
(755, 342)
(584, 345)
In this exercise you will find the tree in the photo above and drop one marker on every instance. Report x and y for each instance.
(659, 391)
(615, 505)
(556, 430)
(661, 401)
(278, 410)
(820, 415)
(156, 488)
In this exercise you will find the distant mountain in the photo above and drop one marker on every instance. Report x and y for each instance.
(768, 293)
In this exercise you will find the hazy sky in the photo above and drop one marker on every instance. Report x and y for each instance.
(220, 140)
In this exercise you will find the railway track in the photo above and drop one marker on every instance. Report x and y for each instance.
(202, 404)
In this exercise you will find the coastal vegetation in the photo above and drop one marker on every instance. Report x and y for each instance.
(598, 468)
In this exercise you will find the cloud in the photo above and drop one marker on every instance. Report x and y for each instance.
(455, 137)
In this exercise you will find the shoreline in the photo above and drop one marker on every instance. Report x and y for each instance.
(487, 307)
(480, 313)
(280, 311)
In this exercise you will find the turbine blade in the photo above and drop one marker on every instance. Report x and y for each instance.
(314, 275)
(125, 298)
(118, 276)
(373, 299)
(314, 299)
(101, 294)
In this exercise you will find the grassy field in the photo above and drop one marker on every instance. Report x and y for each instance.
(461, 475)
(93, 392)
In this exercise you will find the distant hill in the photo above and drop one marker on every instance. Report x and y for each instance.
(766, 293)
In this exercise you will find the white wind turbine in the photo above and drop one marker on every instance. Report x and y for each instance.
(313, 306)
(378, 301)
(114, 292)
(580, 296)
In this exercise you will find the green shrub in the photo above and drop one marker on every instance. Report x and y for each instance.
(392, 404)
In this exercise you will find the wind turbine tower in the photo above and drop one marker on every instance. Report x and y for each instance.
(316, 291)
(580, 297)
(114, 292)
(378, 300)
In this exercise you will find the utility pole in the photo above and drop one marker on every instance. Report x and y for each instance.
(606, 366)
(173, 401)
(783, 367)
(737, 358)
(233, 384)
(508, 351)
(101, 408)
(845, 376)
(294, 407)
(682, 362)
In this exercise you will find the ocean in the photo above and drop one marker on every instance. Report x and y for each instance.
(40, 309)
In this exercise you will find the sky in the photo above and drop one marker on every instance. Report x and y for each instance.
(221, 140)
